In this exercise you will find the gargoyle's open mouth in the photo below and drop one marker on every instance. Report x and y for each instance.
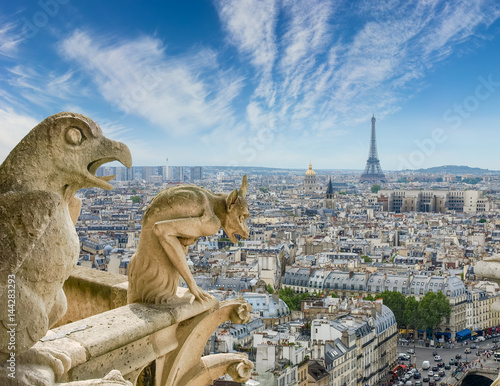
(101, 182)
(120, 153)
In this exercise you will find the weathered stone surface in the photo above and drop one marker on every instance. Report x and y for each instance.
(38, 243)
(90, 292)
(173, 220)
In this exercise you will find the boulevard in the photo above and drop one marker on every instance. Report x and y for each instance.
(467, 359)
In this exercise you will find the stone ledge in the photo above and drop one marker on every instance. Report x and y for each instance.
(90, 292)
(130, 337)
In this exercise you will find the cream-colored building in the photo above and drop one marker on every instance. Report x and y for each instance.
(480, 313)
(359, 345)
(435, 201)
(350, 283)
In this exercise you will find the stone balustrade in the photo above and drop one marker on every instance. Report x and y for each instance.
(166, 339)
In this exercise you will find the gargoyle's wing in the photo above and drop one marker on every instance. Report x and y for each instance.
(24, 217)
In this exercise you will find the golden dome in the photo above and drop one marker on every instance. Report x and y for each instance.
(310, 172)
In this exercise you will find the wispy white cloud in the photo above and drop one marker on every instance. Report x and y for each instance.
(328, 73)
(181, 94)
(251, 27)
(9, 39)
(13, 128)
(397, 46)
(41, 86)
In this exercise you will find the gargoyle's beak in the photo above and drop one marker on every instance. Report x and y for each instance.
(108, 151)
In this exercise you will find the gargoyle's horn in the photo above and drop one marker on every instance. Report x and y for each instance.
(244, 185)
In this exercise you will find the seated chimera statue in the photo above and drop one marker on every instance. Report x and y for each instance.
(173, 220)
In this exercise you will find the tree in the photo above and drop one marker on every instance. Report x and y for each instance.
(396, 302)
(411, 315)
(433, 308)
(135, 199)
(472, 181)
(370, 298)
(367, 259)
(375, 188)
(292, 299)
(269, 288)
(482, 221)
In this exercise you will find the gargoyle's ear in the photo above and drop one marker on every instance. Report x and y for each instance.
(244, 186)
(231, 199)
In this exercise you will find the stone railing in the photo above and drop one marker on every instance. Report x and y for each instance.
(167, 341)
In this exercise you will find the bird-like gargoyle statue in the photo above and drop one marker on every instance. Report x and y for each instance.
(39, 246)
(173, 220)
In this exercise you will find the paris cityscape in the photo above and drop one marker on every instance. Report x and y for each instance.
(280, 193)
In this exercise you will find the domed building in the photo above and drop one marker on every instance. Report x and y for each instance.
(311, 186)
(310, 180)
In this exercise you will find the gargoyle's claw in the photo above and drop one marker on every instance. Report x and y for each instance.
(58, 360)
(200, 295)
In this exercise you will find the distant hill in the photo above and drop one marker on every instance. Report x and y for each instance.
(455, 169)
(258, 170)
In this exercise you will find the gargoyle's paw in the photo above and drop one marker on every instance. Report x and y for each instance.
(241, 370)
(57, 360)
(114, 377)
(241, 314)
(200, 295)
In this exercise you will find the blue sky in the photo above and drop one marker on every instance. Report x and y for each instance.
(262, 83)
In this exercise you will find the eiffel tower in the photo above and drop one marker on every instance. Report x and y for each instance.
(373, 171)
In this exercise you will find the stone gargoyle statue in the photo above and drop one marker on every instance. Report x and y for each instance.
(39, 246)
(175, 219)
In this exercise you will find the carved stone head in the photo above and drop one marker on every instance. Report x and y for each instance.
(237, 213)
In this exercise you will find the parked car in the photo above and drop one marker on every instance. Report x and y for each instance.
(409, 383)
(416, 375)
(495, 340)
(435, 368)
(437, 377)
(437, 358)
(425, 379)
(440, 364)
(447, 367)
(467, 350)
(480, 339)
(432, 383)
(430, 374)
(418, 383)
(441, 373)
(452, 362)
(410, 351)
(403, 356)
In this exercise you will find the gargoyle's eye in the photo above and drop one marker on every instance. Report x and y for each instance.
(74, 136)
